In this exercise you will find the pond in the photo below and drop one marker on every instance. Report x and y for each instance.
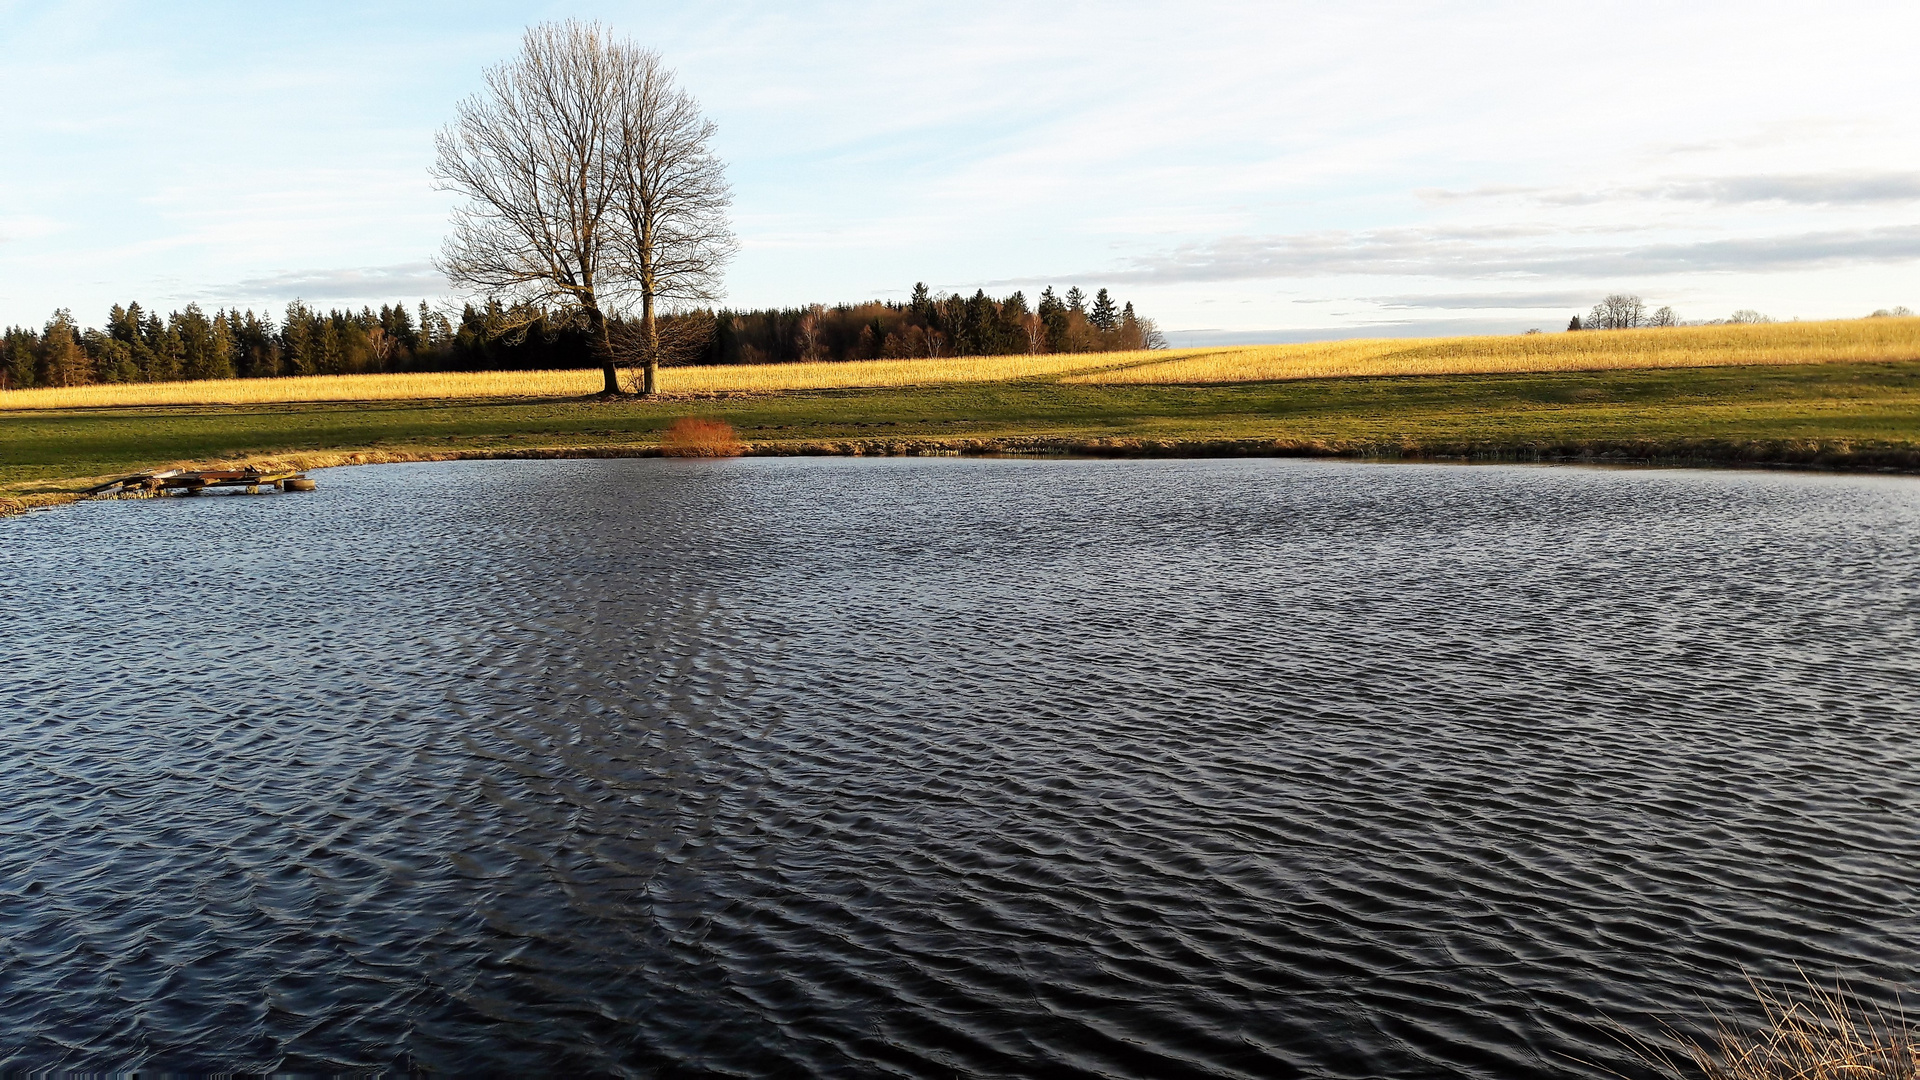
(924, 766)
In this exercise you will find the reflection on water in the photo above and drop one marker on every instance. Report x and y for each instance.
(925, 766)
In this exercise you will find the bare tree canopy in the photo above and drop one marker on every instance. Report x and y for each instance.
(591, 187)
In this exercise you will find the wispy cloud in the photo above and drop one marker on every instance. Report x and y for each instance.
(1860, 188)
(399, 281)
(1831, 189)
(1482, 301)
(1468, 253)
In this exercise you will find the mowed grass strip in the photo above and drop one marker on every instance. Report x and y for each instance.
(1840, 341)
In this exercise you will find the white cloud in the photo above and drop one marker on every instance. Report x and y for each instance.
(1499, 251)
(415, 280)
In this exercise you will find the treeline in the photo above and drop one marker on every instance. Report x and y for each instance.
(925, 326)
(137, 345)
(1624, 311)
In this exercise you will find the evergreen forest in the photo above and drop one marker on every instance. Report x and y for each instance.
(138, 345)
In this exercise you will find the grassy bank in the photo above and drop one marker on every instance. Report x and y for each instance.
(1834, 413)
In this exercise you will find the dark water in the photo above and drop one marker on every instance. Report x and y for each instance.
(927, 767)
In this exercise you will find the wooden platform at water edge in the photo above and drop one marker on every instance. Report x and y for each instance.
(190, 482)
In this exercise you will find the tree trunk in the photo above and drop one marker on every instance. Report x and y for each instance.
(597, 328)
(653, 343)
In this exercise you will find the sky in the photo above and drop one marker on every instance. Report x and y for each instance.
(1239, 171)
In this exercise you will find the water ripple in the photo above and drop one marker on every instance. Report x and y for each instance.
(777, 767)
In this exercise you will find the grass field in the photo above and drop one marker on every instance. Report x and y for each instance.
(1852, 340)
(1843, 394)
(1836, 413)
(729, 379)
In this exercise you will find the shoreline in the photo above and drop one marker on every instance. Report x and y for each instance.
(1835, 457)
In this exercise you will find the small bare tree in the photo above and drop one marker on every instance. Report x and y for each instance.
(1618, 312)
(808, 335)
(590, 186)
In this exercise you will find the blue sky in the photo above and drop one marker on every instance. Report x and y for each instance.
(1263, 171)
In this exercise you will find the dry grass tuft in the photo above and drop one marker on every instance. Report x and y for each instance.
(1828, 1036)
(700, 436)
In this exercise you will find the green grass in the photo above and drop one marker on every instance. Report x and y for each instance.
(1841, 413)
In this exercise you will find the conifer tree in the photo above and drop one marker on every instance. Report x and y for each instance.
(62, 362)
(1055, 317)
(1103, 317)
(18, 357)
(297, 334)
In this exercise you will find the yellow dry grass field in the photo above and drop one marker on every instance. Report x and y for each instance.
(736, 378)
(1694, 346)
(1671, 347)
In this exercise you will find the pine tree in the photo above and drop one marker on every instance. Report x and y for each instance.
(17, 357)
(62, 362)
(1054, 316)
(220, 363)
(296, 337)
(1573, 323)
(1103, 317)
(201, 355)
(1076, 300)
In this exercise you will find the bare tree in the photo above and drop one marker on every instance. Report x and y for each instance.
(1618, 312)
(1036, 331)
(670, 196)
(589, 187)
(808, 338)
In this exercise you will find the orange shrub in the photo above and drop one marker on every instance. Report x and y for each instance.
(700, 436)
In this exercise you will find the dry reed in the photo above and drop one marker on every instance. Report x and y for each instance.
(1676, 347)
(1828, 1036)
(701, 436)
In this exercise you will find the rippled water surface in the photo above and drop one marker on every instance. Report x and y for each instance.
(927, 767)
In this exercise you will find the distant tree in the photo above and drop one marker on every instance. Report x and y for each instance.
(1748, 315)
(18, 361)
(1900, 312)
(1663, 317)
(297, 335)
(1034, 329)
(1104, 317)
(809, 337)
(1619, 311)
(1574, 324)
(1054, 317)
(1076, 300)
(256, 347)
(62, 361)
(112, 358)
(591, 184)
